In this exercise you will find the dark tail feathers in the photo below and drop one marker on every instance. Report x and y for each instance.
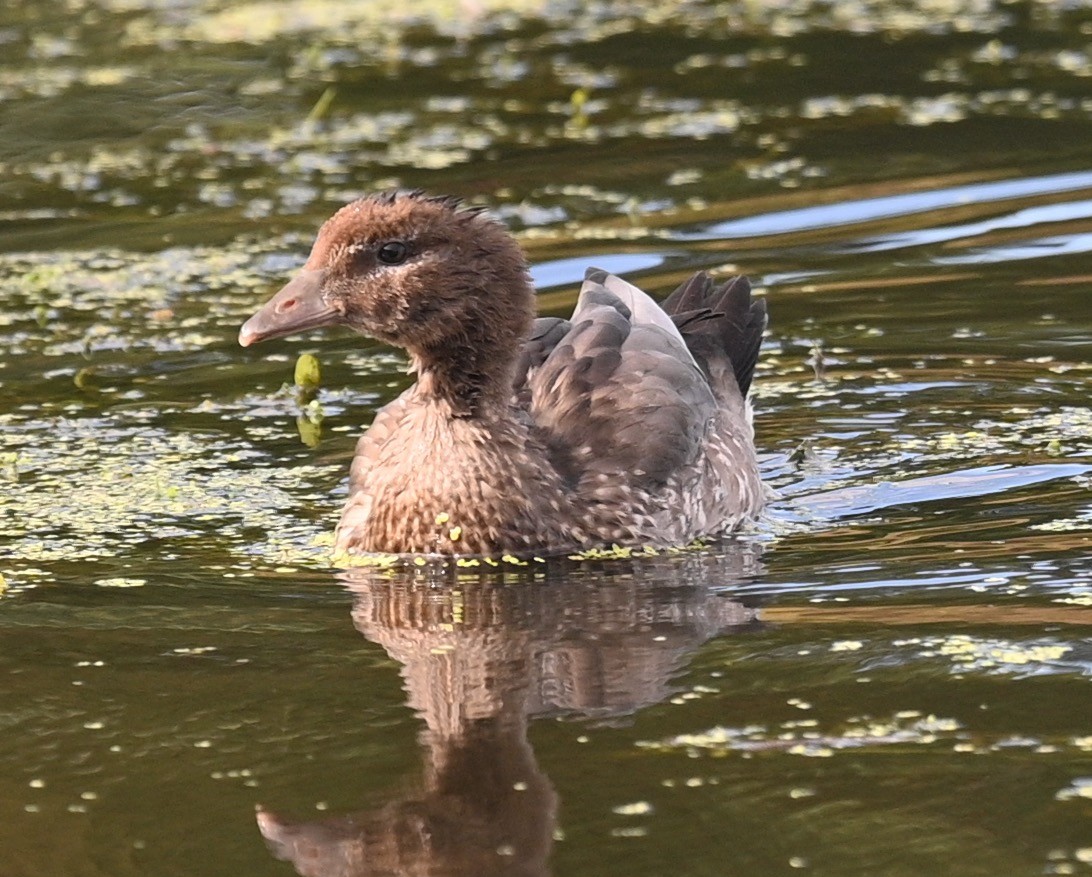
(720, 322)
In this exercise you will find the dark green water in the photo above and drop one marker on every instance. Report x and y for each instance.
(889, 676)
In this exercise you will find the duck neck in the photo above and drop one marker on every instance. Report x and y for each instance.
(469, 364)
(471, 378)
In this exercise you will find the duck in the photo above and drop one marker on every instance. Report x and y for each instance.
(626, 425)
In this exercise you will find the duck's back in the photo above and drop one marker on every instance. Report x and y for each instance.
(642, 409)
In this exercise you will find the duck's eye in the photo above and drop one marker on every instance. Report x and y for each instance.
(392, 253)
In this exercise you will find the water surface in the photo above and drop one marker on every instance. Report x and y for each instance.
(889, 674)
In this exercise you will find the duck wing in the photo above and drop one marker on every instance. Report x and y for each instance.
(723, 328)
(615, 389)
(546, 334)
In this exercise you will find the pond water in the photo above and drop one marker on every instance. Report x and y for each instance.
(889, 674)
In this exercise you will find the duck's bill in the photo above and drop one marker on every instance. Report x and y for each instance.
(296, 308)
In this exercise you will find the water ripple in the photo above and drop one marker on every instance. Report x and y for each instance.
(888, 207)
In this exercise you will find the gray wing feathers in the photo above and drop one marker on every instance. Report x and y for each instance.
(619, 391)
(642, 309)
(723, 328)
(546, 332)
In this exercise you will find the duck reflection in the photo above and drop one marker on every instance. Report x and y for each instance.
(480, 656)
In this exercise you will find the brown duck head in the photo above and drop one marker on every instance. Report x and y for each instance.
(446, 283)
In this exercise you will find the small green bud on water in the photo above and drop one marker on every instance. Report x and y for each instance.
(308, 374)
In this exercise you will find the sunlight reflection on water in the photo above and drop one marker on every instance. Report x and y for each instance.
(890, 206)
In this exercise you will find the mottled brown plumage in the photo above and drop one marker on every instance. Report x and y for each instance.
(626, 424)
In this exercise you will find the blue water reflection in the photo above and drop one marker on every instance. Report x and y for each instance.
(869, 209)
(564, 272)
(1058, 245)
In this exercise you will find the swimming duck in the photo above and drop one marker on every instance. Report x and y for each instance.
(626, 424)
